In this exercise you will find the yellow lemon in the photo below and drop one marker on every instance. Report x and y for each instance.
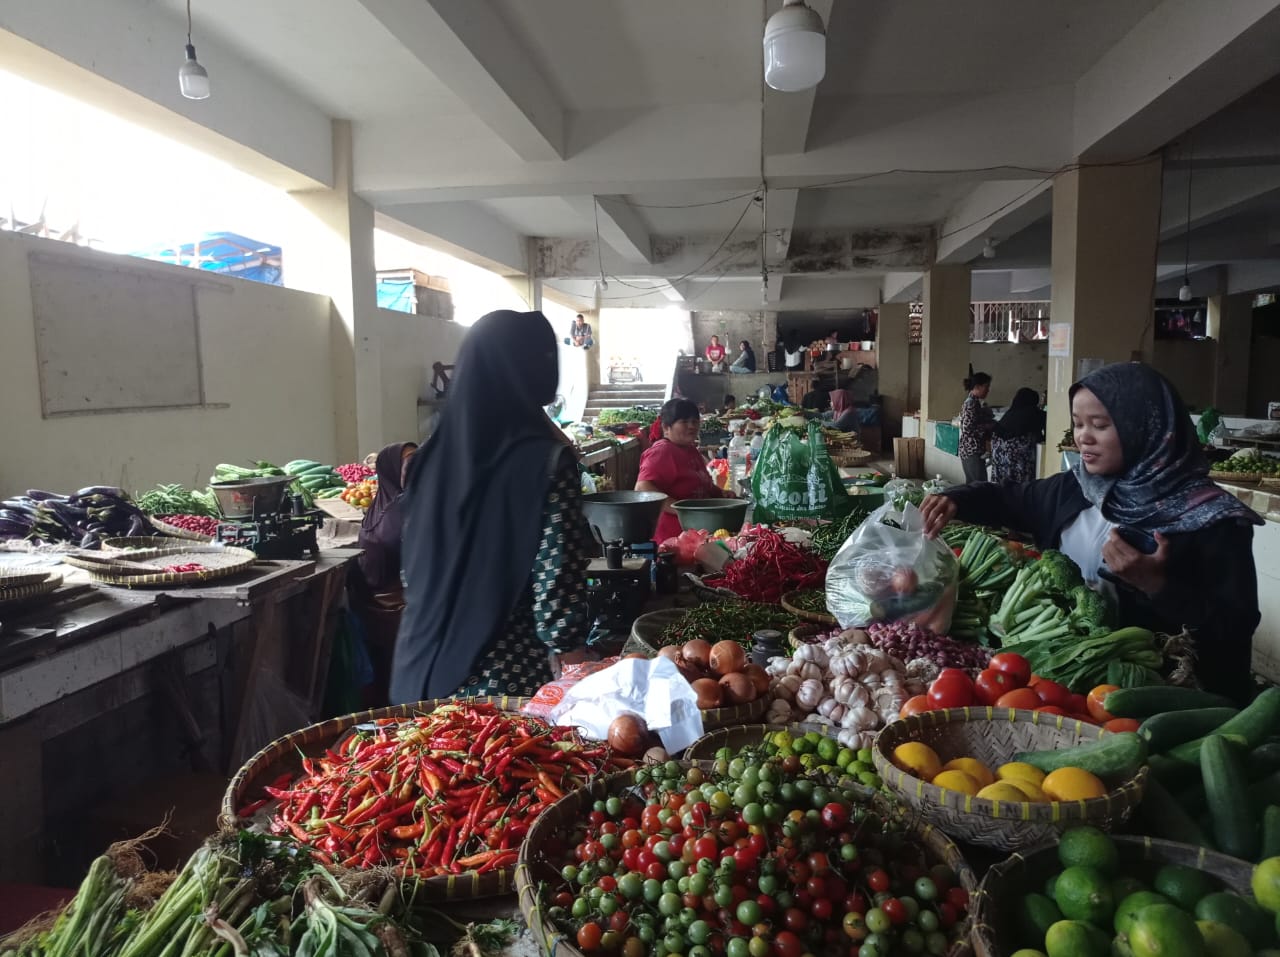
(1032, 791)
(972, 767)
(1020, 771)
(1072, 784)
(916, 758)
(1002, 791)
(955, 781)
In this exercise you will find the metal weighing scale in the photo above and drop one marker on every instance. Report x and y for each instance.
(619, 582)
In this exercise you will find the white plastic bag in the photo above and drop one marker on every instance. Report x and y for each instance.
(888, 571)
(652, 689)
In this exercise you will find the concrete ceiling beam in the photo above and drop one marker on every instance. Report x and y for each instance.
(992, 210)
(780, 220)
(463, 230)
(251, 121)
(1181, 63)
(902, 286)
(623, 229)
(470, 48)
(1253, 277)
(773, 287)
(788, 116)
(1216, 194)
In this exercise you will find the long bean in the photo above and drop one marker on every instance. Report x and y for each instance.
(730, 620)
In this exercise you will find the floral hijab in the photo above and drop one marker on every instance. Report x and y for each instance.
(1165, 486)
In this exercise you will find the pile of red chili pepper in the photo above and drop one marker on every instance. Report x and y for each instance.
(441, 793)
(772, 567)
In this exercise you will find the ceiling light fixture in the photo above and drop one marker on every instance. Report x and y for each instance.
(193, 79)
(989, 249)
(1184, 291)
(795, 48)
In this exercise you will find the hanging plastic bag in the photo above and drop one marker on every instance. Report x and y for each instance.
(888, 571)
(794, 477)
(901, 492)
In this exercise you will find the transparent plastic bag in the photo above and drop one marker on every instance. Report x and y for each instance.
(901, 492)
(888, 571)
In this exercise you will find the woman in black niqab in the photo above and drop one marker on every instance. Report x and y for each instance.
(494, 492)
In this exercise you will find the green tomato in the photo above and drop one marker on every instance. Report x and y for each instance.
(926, 889)
(631, 886)
(737, 767)
(768, 884)
(652, 891)
(912, 905)
(581, 907)
(720, 802)
(848, 852)
(674, 942)
(698, 884)
(699, 950)
(913, 941)
(927, 921)
(613, 806)
(646, 933)
(820, 797)
(744, 794)
(608, 905)
(669, 905)
(724, 896)
(877, 921)
(751, 775)
(753, 813)
(749, 912)
(694, 797)
(677, 869)
(682, 885)
(700, 932)
(569, 873)
(868, 949)
(737, 947)
(759, 947)
(936, 943)
(609, 842)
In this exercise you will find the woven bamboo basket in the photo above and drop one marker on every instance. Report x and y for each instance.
(18, 577)
(174, 531)
(29, 589)
(812, 617)
(708, 594)
(806, 635)
(994, 736)
(995, 906)
(537, 864)
(284, 755)
(146, 569)
(1236, 476)
(735, 714)
(849, 459)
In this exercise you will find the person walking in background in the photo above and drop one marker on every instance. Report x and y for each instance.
(1014, 438)
(715, 354)
(746, 361)
(792, 352)
(580, 334)
(976, 423)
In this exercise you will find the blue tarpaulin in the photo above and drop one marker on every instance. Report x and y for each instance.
(227, 253)
(397, 294)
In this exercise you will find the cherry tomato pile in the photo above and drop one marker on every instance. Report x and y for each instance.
(1007, 682)
(748, 860)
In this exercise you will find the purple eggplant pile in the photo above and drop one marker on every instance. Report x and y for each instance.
(83, 518)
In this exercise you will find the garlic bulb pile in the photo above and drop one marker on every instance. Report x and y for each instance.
(845, 682)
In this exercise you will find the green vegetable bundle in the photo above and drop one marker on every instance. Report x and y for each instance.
(733, 620)
(827, 539)
(986, 572)
(177, 500)
(637, 414)
(1082, 663)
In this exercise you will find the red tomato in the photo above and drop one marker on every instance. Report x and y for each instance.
(951, 690)
(1122, 724)
(1052, 709)
(953, 673)
(856, 903)
(608, 884)
(835, 816)
(991, 684)
(821, 909)
(947, 915)
(787, 944)
(895, 910)
(705, 847)
(589, 936)
(657, 871)
(819, 863)
(1077, 704)
(1014, 665)
(878, 881)
(958, 898)
(1034, 680)
(1051, 692)
(1096, 697)
(1025, 698)
(916, 705)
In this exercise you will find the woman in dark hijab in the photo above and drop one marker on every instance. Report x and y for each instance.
(495, 544)
(1140, 512)
(377, 597)
(1014, 438)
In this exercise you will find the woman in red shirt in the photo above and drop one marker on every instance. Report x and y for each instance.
(675, 467)
(716, 354)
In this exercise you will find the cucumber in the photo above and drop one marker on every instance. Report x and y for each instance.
(1255, 724)
(1270, 832)
(1235, 827)
(1161, 815)
(1264, 791)
(1164, 731)
(1112, 756)
(1157, 699)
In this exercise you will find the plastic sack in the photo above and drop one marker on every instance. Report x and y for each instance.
(901, 492)
(1210, 419)
(685, 545)
(795, 478)
(888, 571)
(552, 693)
(652, 689)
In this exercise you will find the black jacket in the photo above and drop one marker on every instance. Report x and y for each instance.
(1211, 586)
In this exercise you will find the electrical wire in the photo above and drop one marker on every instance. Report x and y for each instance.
(1186, 262)
(188, 22)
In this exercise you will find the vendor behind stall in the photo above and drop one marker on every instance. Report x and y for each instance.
(495, 546)
(675, 467)
(1141, 473)
(377, 595)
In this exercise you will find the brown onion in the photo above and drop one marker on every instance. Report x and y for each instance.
(670, 651)
(759, 678)
(628, 734)
(656, 755)
(727, 657)
(636, 654)
(697, 652)
(738, 688)
(710, 694)
(690, 672)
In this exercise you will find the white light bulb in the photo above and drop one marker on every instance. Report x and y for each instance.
(795, 49)
(193, 79)
(1184, 292)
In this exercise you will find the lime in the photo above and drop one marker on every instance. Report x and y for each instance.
(828, 750)
(1183, 885)
(1089, 847)
(1223, 941)
(1266, 884)
(1083, 893)
(845, 758)
(802, 746)
(1129, 908)
(1051, 887)
(782, 739)
(1234, 911)
(1036, 915)
(1076, 938)
(1163, 930)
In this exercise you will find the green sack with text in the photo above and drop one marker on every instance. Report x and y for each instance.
(794, 477)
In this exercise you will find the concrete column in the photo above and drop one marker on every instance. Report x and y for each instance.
(1231, 328)
(892, 357)
(944, 356)
(1106, 223)
(330, 252)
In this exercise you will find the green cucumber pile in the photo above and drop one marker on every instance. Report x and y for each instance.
(311, 480)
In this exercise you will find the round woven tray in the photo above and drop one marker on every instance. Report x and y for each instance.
(813, 617)
(173, 531)
(708, 595)
(1236, 476)
(849, 459)
(995, 906)
(284, 755)
(535, 867)
(146, 569)
(29, 589)
(994, 736)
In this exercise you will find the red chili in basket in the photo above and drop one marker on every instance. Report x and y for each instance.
(773, 567)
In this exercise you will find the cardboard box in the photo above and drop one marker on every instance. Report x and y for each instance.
(908, 458)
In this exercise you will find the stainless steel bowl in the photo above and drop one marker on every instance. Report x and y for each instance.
(250, 498)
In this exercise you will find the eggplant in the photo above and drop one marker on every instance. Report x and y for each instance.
(117, 493)
(137, 526)
(89, 540)
(18, 515)
(66, 510)
(13, 529)
(39, 495)
(19, 502)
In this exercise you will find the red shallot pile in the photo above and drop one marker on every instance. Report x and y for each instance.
(201, 524)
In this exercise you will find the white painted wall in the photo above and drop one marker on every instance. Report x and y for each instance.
(1011, 366)
(266, 355)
